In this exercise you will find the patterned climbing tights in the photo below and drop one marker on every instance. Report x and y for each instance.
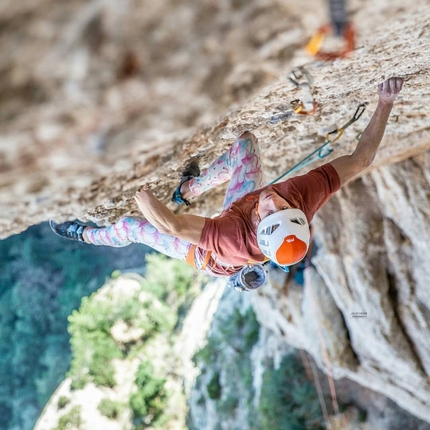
(241, 165)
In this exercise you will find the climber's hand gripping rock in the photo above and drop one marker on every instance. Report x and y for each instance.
(389, 89)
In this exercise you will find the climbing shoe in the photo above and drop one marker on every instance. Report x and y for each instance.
(190, 172)
(70, 229)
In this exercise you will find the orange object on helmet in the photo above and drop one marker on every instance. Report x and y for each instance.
(284, 236)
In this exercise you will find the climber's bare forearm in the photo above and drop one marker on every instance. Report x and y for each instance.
(187, 227)
(351, 165)
(372, 136)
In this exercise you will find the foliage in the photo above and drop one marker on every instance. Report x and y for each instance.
(149, 401)
(228, 348)
(171, 280)
(229, 404)
(167, 278)
(63, 401)
(94, 347)
(205, 355)
(115, 274)
(288, 401)
(213, 387)
(362, 415)
(92, 343)
(42, 280)
(110, 409)
(240, 331)
(71, 420)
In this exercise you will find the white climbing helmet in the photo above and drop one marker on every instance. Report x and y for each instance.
(284, 236)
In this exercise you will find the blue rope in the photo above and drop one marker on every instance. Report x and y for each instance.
(324, 150)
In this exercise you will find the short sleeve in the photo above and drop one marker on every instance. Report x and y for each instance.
(220, 233)
(313, 189)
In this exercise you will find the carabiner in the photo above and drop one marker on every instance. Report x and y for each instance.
(300, 77)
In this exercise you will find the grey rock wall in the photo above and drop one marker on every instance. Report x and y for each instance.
(373, 258)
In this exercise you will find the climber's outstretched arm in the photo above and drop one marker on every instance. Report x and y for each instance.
(187, 227)
(351, 165)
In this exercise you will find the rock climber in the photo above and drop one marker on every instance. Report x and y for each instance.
(257, 223)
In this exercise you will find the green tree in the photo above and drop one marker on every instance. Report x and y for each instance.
(149, 401)
(71, 420)
(92, 344)
(110, 409)
(90, 327)
(168, 278)
(231, 341)
(213, 387)
(288, 401)
(63, 401)
(42, 280)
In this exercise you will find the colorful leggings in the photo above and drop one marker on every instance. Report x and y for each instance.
(241, 165)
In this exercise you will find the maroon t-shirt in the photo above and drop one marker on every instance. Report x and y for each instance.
(232, 237)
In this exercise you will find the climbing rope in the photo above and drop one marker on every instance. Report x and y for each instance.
(324, 353)
(324, 150)
(312, 375)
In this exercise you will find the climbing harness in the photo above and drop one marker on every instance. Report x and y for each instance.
(324, 150)
(190, 259)
(340, 26)
(300, 77)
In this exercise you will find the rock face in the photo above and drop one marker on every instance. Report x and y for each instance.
(364, 310)
(384, 269)
(100, 97)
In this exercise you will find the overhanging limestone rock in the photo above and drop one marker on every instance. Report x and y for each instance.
(85, 123)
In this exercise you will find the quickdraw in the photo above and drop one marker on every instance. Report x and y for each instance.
(283, 116)
(324, 150)
(300, 77)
